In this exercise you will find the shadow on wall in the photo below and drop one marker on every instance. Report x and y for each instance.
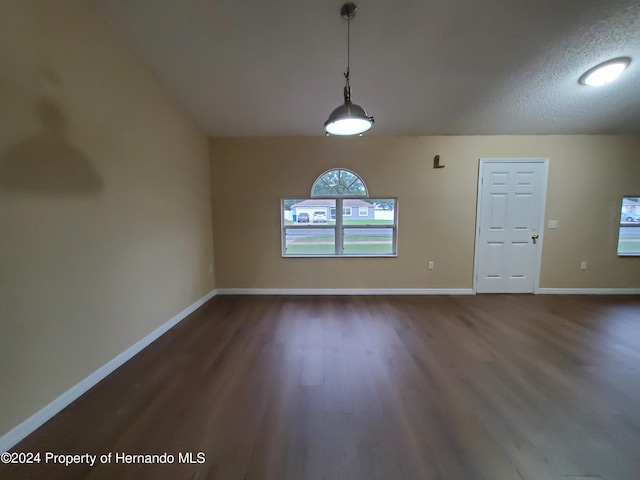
(47, 163)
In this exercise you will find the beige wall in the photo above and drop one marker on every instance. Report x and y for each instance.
(105, 217)
(588, 175)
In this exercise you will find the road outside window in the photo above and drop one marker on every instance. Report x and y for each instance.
(629, 233)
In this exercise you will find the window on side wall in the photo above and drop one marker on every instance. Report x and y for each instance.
(629, 232)
(339, 220)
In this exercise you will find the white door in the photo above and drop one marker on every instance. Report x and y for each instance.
(511, 200)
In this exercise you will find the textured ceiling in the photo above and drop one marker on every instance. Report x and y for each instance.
(452, 67)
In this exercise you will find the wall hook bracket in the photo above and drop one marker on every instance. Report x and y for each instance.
(436, 162)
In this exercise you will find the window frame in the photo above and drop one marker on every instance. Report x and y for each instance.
(339, 228)
(622, 225)
(350, 214)
(366, 211)
(339, 171)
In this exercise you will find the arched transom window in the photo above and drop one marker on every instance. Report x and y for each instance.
(339, 219)
(339, 183)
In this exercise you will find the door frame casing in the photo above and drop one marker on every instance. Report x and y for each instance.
(541, 224)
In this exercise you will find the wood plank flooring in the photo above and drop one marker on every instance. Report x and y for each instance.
(493, 387)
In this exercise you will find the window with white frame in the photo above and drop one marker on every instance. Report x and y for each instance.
(629, 232)
(339, 219)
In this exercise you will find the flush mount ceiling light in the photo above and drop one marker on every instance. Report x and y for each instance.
(348, 118)
(605, 72)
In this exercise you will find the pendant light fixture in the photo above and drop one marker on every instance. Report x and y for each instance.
(348, 118)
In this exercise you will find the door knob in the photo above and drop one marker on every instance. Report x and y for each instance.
(535, 238)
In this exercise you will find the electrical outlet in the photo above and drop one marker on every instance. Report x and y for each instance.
(553, 224)
(430, 265)
(583, 266)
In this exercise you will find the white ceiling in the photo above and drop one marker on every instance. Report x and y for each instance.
(452, 67)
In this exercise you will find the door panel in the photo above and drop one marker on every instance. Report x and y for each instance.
(498, 208)
(510, 213)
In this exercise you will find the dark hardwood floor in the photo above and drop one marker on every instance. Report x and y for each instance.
(493, 387)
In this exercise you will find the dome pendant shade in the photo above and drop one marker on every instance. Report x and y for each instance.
(343, 123)
(348, 118)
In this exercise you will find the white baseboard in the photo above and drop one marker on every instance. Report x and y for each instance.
(589, 291)
(12, 437)
(345, 291)
(414, 291)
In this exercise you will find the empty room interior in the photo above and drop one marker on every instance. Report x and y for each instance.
(268, 240)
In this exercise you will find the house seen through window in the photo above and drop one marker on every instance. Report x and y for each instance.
(339, 220)
(629, 233)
